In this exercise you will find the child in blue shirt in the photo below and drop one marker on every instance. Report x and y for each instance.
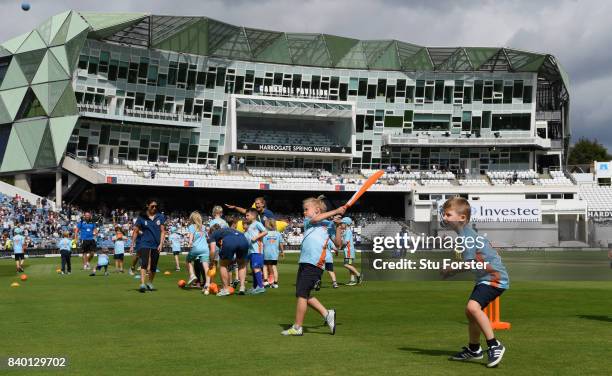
(254, 234)
(19, 247)
(491, 282)
(119, 244)
(348, 246)
(175, 243)
(312, 261)
(102, 263)
(199, 252)
(272, 247)
(65, 247)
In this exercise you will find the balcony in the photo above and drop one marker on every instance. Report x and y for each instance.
(430, 139)
(139, 116)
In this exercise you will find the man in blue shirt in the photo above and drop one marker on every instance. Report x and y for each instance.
(263, 212)
(86, 230)
(148, 236)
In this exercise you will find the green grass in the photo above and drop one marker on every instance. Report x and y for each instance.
(104, 326)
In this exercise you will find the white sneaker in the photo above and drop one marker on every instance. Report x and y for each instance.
(330, 319)
(293, 331)
(192, 279)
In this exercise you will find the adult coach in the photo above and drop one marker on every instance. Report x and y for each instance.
(148, 237)
(260, 205)
(86, 230)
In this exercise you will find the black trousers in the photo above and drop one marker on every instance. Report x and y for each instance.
(66, 261)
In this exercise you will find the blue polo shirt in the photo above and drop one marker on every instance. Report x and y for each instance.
(150, 231)
(495, 274)
(86, 230)
(315, 244)
(229, 238)
(271, 245)
(267, 214)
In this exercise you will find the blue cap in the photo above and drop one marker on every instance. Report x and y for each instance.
(18, 230)
(347, 221)
(172, 229)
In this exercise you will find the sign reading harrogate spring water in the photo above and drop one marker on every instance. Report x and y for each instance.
(294, 148)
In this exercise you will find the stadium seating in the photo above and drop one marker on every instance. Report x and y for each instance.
(558, 178)
(597, 197)
(473, 182)
(171, 168)
(583, 178)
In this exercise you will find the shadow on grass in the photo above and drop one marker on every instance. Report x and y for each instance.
(596, 317)
(430, 352)
(309, 329)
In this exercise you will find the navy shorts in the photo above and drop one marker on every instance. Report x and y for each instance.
(19, 256)
(308, 275)
(176, 253)
(118, 256)
(485, 294)
(270, 262)
(233, 250)
(256, 260)
(329, 266)
(145, 255)
(99, 267)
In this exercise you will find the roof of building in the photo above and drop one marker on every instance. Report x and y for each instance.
(209, 37)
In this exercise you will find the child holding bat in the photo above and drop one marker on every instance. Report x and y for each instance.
(491, 282)
(317, 232)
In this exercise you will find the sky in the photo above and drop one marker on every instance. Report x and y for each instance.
(577, 33)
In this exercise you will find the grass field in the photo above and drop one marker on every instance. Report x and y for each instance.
(104, 326)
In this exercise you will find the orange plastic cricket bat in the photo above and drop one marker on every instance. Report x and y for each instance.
(368, 183)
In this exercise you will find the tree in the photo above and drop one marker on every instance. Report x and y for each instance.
(585, 151)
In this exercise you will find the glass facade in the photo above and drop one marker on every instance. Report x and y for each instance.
(160, 88)
(122, 79)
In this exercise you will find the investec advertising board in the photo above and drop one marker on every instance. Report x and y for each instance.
(295, 148)
(503, 211)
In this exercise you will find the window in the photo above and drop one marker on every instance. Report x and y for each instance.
(448, 94)
(363, 87)
(382, 88)
(478, 90)
(518, 89)
(467, 94)
(371, 91)
(511, 122)
(182, 73)
(393, 121)
(359, 123)
(507, 94)
(527, 94)
(439, 94)
(420, 89)
(466, 121)
(123, 70)
(431, 122)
